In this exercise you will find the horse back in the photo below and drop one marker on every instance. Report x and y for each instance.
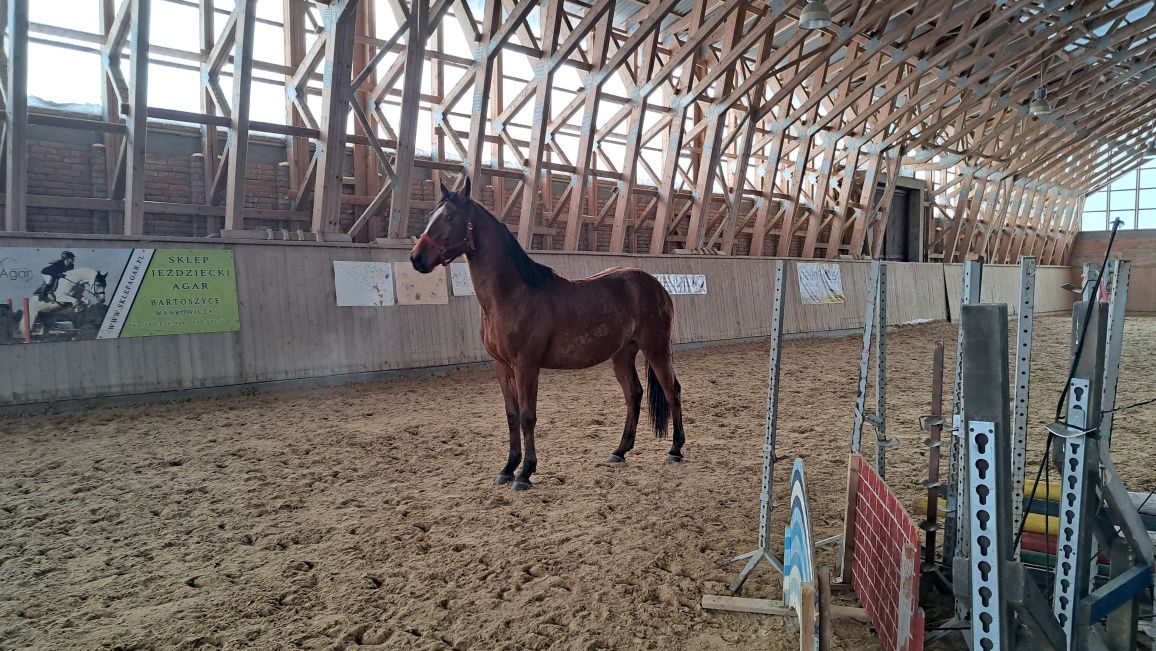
(640, 288)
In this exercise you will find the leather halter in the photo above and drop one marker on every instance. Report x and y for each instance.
(447, 254)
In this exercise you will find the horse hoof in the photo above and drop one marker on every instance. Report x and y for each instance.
(614, 458)
(504, 479)
(674, 458)
(522, 485)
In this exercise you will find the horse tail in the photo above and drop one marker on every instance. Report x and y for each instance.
(659, 409)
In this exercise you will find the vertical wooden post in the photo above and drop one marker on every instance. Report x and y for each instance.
(16, 208)
(339, 19)
(357, 95)
(298, 151)
(210, 145)
(137, 117)
(544, 77)
(625, 206)
(764, 217)
(586, 144)
(712, 148)
(882, 208)
(110, 107)
(407, 127)
(484, 63)
(731, 229)
(438, 87)
(672, 150)
(499, 154)
(839, 224)
(246, 12)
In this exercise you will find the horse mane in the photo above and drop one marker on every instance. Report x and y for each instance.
(534, 274)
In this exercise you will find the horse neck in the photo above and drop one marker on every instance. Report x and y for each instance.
(496, 278)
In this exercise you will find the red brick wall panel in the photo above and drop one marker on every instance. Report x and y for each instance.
(885, 562)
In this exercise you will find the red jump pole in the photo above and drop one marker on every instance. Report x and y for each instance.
(27, 323)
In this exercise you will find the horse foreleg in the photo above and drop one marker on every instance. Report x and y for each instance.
(526, 381)
(627, 374)
(510, 395)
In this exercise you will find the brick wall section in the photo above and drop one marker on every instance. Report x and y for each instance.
(60, 169)
(1137, 246)
(885, 563)
(174, 173)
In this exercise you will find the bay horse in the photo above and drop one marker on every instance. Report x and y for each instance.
(532, 318)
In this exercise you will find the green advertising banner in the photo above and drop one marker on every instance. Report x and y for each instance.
(185, 292)
(81, 293)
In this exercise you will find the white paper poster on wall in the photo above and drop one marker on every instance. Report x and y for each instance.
(414, 288)
(820, 283)
(460, 280)
(683, 283)
(363, 284)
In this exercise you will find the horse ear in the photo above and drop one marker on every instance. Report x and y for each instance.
(465, 191)
(445, 190)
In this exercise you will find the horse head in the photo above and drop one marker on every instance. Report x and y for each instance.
(99, 285)
(87, 281)
(450, 232)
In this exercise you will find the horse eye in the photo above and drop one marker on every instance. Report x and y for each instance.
(449, 218)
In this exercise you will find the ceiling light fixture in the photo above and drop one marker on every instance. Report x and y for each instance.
(815, 15)
(1040, 106)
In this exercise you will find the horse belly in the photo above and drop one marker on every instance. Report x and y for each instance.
(584, 348)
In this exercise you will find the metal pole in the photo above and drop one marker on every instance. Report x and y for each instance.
(1120, 274)
(869, 320)
(987, 421)
(880, 416)
(1027, 307)
(955, 529)
(770, 426)
(933, 424)
(1077, 467)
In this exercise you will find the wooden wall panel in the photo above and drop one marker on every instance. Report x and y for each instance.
(914, 293)
(291, 327)
(1001, 284)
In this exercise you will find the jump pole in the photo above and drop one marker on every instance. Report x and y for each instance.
(27, 318)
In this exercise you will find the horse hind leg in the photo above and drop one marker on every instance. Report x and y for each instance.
(627, 374)
(669, 402)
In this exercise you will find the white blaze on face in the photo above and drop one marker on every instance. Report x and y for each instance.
(434, 217)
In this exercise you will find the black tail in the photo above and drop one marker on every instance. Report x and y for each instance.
(659, 409)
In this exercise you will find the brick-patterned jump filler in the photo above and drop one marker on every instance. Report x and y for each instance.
(882, 550)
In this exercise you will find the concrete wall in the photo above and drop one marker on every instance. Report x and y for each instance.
(292, 329)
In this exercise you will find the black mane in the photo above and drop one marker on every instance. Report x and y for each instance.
(534, 274)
